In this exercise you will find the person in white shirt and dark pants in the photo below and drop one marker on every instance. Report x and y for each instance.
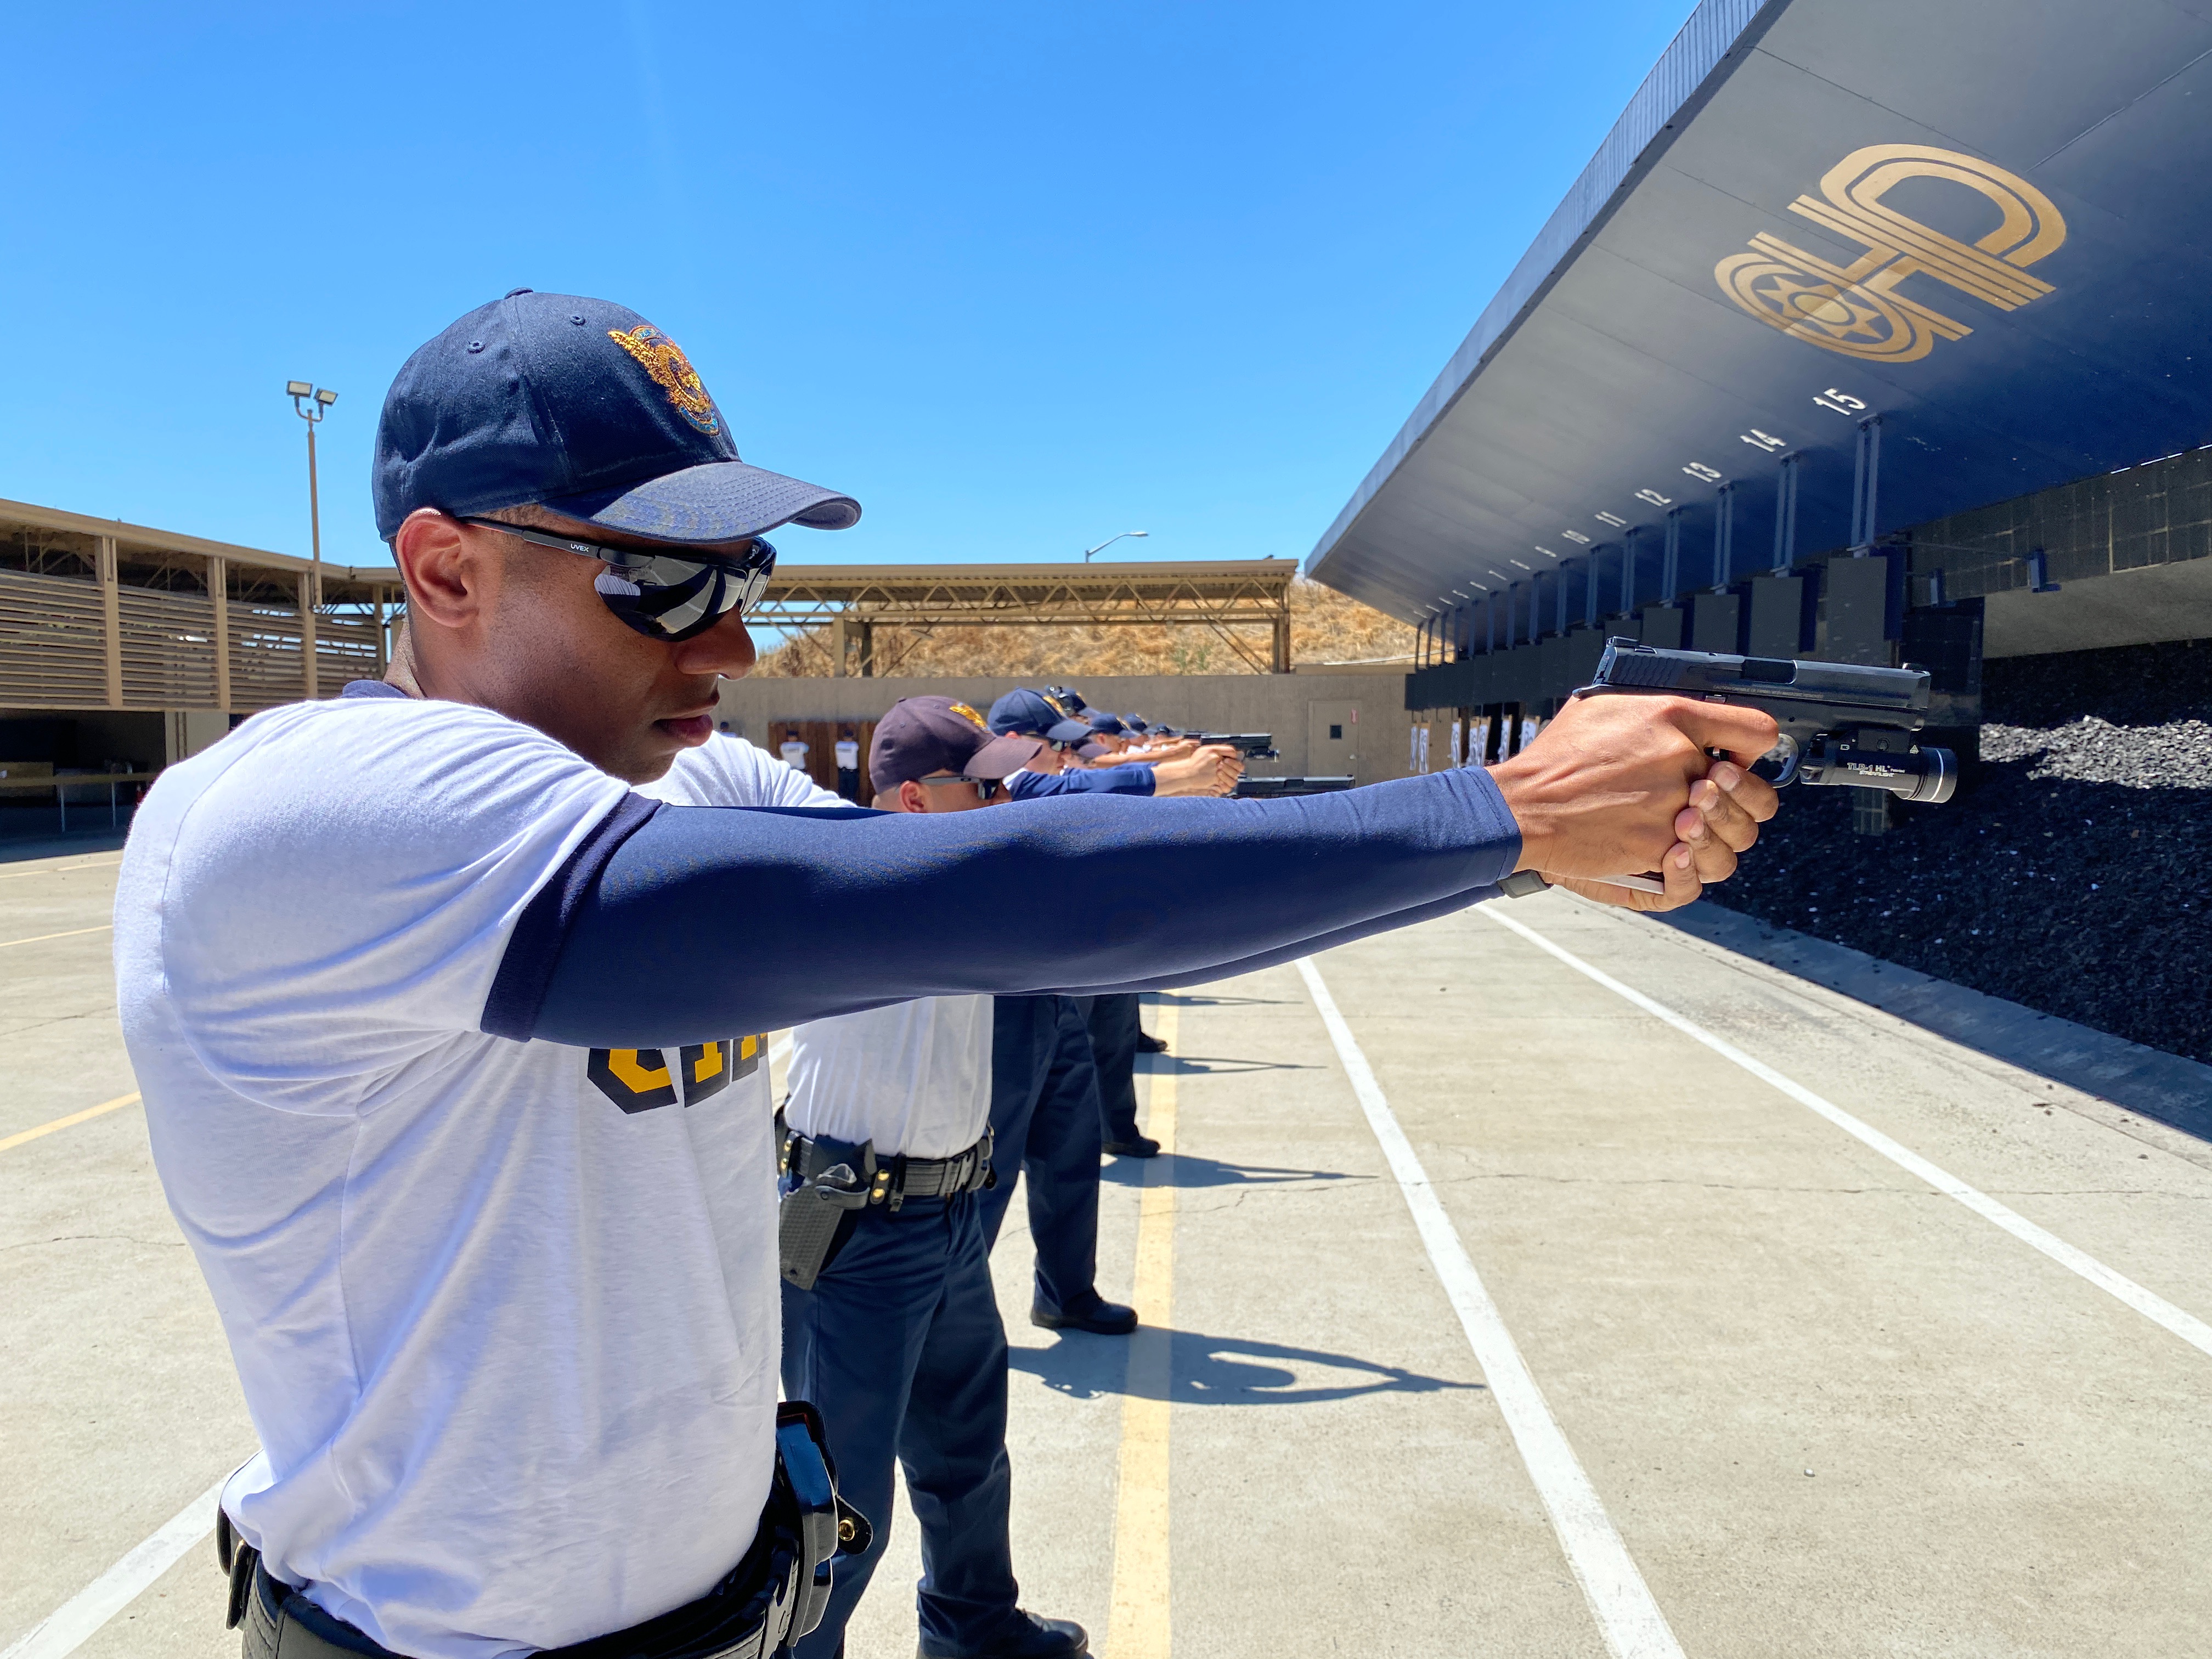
(895, 1333)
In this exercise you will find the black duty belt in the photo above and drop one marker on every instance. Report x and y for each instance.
(826, 1182)
(776, 1594)
(889, 1182)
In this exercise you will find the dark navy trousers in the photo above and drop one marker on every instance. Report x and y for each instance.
(899, 1347)
(1113, 1031)
(1044, 1112)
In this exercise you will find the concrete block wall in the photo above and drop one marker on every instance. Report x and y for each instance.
(1324, 724)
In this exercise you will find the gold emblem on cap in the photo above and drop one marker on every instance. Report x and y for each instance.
(970, 716)
(672, 371)
(1855, 309)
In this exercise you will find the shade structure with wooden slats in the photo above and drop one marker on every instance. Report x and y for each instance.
(97, 614)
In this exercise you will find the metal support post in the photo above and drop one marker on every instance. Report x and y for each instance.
(1628, 572)
(310, 681)
(1866, 488)
(839, 643)
(1786, 515)
(1670, 569)
(1724, 538)
(1282, 645)
(1589, 592)
(111, 625)
(218, 586)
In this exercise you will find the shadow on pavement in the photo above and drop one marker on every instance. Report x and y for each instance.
(1187, 1171)
(1218, 1370)
(1212, 1065)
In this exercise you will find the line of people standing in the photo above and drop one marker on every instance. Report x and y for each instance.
(912, 1122)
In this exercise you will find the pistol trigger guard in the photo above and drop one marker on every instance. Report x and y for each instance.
(1778, 765)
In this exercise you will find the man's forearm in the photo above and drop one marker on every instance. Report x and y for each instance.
(709, 921)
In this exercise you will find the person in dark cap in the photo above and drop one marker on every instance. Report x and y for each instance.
(446, 999)
(894, 1333)
(1211, 771)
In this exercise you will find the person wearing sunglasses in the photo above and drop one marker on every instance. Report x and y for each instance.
(895, 1334)
(445, 998)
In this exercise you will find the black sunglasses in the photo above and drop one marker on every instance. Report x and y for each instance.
(986, 788)
(664, 596)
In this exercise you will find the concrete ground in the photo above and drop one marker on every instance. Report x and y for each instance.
(1822, 1407)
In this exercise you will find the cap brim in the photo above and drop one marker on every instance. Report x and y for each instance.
(1002, 758)
(1092, 750)
(719, 501)
(1068, 731)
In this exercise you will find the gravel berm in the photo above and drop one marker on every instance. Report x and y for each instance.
(2071, 873)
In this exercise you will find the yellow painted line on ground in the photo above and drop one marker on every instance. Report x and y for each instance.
(84, 1116)
(59, 869)
(1138, 1624)
(41, 938)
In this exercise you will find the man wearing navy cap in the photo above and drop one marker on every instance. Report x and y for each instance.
(447, 1033)
(894, 1331)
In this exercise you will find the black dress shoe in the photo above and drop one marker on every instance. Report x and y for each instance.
(1093, 1314)
(1142, 1147)
(1032, 1637)
(1148, 1044)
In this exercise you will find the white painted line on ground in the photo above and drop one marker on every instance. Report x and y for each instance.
(1138, 1626)
(1627, 1616)
(2189, 1328)
(69, 1625)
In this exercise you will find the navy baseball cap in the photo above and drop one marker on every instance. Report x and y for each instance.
(922, 735)
(583, 408)
(1109, 724)
(1034, 715)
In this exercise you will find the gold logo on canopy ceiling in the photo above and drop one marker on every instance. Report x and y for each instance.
(1856, 309)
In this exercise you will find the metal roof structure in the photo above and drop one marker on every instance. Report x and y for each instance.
(95, 613)
(1841, 266)
(853, 600)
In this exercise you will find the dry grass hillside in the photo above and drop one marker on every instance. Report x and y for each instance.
(1325, 626)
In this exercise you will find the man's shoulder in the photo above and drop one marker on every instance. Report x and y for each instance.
(727, 770)
(309, 779)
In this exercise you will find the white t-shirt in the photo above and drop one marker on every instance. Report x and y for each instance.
(913, 1078)
(848, 754)
(795, 755)
(504, 1313)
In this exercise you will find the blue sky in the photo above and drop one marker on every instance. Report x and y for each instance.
(1016, 277)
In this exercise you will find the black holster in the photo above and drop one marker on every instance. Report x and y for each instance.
(811, 1218)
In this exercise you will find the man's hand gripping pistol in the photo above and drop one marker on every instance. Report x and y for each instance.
(1842, 724)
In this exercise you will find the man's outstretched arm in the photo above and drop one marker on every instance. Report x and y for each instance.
(708, 920)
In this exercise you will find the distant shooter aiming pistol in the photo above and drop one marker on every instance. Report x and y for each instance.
(1842, 724)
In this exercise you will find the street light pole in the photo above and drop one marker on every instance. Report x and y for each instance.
(311, 403)
(1110, 542)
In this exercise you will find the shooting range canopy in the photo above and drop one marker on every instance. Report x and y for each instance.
(1990, 225)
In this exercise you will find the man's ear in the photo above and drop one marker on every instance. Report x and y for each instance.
(912, 798)
(446, 572)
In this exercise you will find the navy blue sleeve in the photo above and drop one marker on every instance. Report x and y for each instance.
(1131, 780)
(706, 921)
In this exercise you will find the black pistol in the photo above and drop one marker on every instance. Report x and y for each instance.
(1253, 745)
(1842, 724)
